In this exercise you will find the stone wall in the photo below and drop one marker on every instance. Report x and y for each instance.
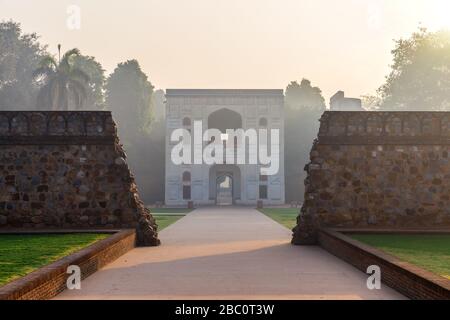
(67, 170)
(377, 169)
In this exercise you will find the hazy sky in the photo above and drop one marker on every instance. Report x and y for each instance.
(338, 44)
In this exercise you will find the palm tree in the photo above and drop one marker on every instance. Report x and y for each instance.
(61, 81)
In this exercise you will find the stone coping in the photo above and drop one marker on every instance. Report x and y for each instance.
(384, 141)
(56, 128)
(55, 140)
(384, 128)
(50, 280)
(55, 231)
(391, 231)
(233, 92)
(410, 280)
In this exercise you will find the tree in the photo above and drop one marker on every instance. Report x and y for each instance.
(61, 82)
(304, 106)
(19, 57)
(159, 106)
(129, 97)
(304, 96)
(370, 102)
(95, 99)
(420, 75)
(147, 159)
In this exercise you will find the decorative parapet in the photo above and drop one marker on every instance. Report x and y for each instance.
(53, 127)
(230, 97)
(384, 128)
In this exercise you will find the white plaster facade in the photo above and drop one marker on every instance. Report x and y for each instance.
(200, 183)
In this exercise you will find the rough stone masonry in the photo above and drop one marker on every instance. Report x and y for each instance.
(377, 170)
(67, 170)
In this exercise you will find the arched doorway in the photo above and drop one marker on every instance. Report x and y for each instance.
(224, 190)
(225, 184)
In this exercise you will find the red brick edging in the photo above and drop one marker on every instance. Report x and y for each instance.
(49, 281)
(409, 280)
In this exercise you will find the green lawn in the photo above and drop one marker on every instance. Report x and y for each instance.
(285, 216)
(431, 252)
(22, 254)
(164, 221)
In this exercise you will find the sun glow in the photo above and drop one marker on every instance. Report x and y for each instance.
(439, 14)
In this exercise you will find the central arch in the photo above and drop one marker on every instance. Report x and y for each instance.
(225, 179)
(224, 119)
(225, 184)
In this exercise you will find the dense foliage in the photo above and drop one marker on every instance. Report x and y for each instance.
(19, 56)
(63, 86)
(304, 106)
(420, 75)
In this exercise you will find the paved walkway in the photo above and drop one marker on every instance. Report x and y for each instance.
(227, 253)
